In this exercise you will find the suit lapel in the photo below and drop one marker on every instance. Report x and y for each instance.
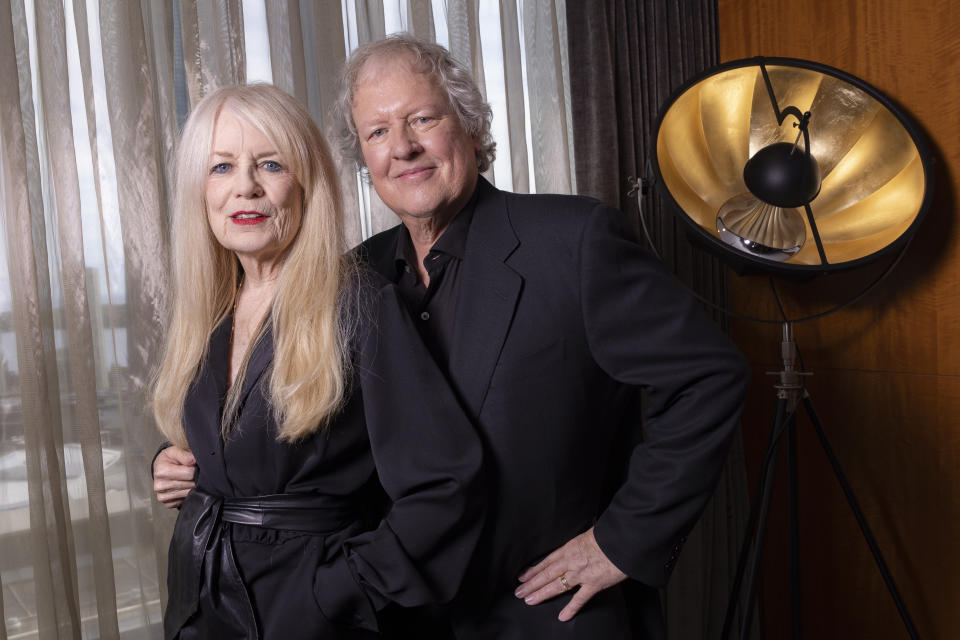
(381, 256)
(259, 361)
(203, 406)
(489, 290)
(204, 403)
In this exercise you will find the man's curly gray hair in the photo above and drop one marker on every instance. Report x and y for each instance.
(428, 58)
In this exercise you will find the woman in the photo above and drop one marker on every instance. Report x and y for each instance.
(300, 388)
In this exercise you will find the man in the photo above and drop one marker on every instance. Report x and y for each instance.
(547, 317)
(548, 320)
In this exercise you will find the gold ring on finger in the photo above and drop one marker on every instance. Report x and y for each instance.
(563, 582)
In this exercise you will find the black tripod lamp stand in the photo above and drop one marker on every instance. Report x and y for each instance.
(791, 396)
(837, 178)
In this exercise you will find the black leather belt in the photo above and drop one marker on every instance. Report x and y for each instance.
(201, 554)
(289, 512)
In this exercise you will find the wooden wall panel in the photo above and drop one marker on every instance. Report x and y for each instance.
(887, 371)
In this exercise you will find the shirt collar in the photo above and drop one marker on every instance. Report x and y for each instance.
(453, 240)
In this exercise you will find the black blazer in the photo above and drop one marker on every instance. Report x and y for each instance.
(401, 428)
(561, 318)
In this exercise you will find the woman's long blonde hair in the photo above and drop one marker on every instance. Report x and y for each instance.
(311, 364)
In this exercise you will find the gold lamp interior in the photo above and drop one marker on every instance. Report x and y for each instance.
(873, 176)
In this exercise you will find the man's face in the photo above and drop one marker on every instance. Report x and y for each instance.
(421, 161)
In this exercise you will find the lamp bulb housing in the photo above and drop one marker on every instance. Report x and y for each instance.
(783, 175)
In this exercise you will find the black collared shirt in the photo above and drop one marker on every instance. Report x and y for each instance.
(432, 308)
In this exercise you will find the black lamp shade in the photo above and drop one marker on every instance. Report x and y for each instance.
(719, 146)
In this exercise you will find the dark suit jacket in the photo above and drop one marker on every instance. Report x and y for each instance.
(561, 318)
(401, 428)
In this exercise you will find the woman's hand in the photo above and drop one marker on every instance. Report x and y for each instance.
(173, 472)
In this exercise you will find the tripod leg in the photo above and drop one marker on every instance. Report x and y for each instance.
(793, 528)
(787, 425)
(763, 489)
(858, 514)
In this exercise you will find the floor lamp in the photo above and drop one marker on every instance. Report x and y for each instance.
(794, 169)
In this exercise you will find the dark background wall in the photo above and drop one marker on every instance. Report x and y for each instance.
(887, 371)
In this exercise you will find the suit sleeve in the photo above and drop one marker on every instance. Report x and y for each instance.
(428, 457)
(645, 329)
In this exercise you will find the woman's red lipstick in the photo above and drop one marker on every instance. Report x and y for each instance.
(247, 217)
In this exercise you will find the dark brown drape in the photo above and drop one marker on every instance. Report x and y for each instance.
(626, 59)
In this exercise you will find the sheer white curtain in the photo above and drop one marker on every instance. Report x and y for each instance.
(92, 96)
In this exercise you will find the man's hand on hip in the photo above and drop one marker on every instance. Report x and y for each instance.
(580, 565)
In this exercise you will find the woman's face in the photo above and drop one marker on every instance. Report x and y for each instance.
(254, 203)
